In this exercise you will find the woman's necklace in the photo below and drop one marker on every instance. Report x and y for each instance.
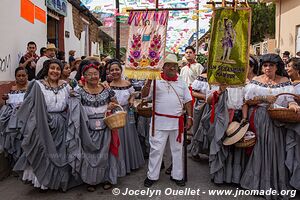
(53, 89)
(270, 83)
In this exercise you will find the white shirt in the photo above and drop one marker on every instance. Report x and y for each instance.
(235, 96)
(73, 74)
(189, 74)
(40, 63)
(168, 103)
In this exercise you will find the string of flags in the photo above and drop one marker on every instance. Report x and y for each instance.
(109, 15)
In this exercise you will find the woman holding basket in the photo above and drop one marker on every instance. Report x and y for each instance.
(293, 138)
(131, 149)
(266, 166)
(92, 146)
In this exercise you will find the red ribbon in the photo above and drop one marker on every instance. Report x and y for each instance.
(114, 142)
(252, 128)
(165, 77)
(88, 67)
(190, 63)
(193, 98)
(214, 101)
(180, 124)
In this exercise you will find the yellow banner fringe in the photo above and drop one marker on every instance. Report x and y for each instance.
(142, 74)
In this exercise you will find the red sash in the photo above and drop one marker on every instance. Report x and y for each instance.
(180, 124)
(114, 142)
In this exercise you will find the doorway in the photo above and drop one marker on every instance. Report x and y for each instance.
(52, 30)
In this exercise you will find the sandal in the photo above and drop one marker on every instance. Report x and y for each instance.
(91, 188)
(107, 185)
(148, 182)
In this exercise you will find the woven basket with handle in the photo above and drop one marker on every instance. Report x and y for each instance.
(116, 120)
(245, 143)
(284, 114)
(143, 109)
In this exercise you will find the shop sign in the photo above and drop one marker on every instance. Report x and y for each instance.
(59, 6)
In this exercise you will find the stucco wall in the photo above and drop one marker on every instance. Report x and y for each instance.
(15, 33)
(287, 20)
(71, 43)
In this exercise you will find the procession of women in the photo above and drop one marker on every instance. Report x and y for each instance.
(91, 122)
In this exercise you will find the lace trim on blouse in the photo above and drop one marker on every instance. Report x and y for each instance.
(54, 90)
(200, 78)
(96, 100)
(120, 88)
(288, 83)
(17, 91)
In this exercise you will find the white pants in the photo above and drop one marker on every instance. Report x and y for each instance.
(157, 147)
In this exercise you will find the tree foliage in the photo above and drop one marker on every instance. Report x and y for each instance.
(263, 21)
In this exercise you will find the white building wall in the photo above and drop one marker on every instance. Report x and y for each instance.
(15, 33)
(71, 43)
(95, 48)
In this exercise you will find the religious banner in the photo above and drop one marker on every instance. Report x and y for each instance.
(229, 46)
(146, 44)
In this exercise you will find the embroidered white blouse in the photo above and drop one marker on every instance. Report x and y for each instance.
(256, 89)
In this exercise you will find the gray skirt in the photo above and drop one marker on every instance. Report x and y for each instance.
(266, 166)
(10, 134)
(88, 141)
(292, 160)
(200, 141)
(132, 152)
(44, 144)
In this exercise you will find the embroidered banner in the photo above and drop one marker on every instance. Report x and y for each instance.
(229, 46)
(146, 44)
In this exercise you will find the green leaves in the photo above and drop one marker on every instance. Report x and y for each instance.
(263, 22)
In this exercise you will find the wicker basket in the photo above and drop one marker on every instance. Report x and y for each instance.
(143, 110)
(116, 120)
(245, 143)
(284, 114)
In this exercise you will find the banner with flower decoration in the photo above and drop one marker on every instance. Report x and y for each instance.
(146, 44)
(229, 46)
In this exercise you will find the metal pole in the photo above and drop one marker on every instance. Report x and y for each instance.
(117, 31)
(197, 29)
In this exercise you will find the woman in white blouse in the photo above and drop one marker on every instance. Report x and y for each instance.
(43, 116)
(199, 142)
(10, 135)
(293, 138)
(293, 70)
(266, 165)
(130, 148)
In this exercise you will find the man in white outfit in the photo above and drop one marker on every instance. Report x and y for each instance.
(50, 54)
(172, 97)
(193, 69)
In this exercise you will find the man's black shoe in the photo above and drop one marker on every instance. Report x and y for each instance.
(180, 183)
(148, 182)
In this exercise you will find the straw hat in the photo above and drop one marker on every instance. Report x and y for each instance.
(77, 60)
(171, 58)
(51, 46)
(235, 132)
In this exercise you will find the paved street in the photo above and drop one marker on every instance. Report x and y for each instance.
(13, 189)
